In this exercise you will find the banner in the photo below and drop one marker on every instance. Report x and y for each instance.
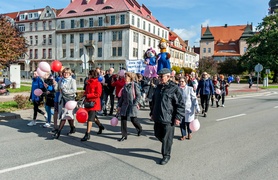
(135, 66)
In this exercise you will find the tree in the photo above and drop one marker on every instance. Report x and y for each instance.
(12, 42)
(230, 66)
(263, 46)
(208, 65)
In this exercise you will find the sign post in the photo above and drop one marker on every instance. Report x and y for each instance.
(27, 62)
(258, 69)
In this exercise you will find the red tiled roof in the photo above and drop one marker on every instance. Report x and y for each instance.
(172, 37)
(99, 8)
(226, 35)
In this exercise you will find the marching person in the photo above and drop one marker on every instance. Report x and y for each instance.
(67, 88)
(167, 111)
(92, 94)
(205, 89)
(37, 83)
(191, 104)
(129, 104)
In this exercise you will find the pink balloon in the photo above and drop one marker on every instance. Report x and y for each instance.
(44, 66)
(40, 72)
(70, 105)
(114, 121)
(38, 92)
(218, 91)
(194, 125)
(122, 73)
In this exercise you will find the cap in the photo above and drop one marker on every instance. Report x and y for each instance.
(164, 71)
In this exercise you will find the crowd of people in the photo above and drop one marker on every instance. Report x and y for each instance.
(172, 99)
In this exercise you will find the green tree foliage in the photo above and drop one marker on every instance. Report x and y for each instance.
(208, 65)
(12, 42)
(230, 66)
(263, 46)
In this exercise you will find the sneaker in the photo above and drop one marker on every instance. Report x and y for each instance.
(32, 123)
(46, 125)
(223, 105)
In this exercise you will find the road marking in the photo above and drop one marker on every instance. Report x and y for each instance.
(230, 117)
(40, 162)
(275, 107)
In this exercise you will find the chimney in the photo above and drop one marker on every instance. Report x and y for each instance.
(226, 25)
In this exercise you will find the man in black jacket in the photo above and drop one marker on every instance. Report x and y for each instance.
(108, 91)
(167, 111)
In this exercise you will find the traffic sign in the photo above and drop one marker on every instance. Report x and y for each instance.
(258, 67)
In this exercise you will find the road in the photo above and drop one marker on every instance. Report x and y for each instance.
(235, 142)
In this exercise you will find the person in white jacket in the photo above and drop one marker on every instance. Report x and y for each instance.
(191, 104)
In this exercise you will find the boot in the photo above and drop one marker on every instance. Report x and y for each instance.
(72, 130)
(57, 134)
(101, 127)
(86, 137)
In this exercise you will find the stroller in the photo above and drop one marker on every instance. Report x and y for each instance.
(3, 86)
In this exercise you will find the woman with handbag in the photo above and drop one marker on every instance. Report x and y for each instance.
(92, 102)
(129, 104)
(67, 88)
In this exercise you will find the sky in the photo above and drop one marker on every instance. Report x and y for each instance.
(184, 17)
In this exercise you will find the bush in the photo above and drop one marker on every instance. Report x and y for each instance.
(22, 101)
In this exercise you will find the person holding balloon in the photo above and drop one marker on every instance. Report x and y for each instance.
(36, 97)
(191, 104)
(67, 88)
(128, 105)
(223, 87)
(92, 94)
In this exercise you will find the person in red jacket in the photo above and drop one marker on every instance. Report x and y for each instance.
(92, 94)
(119, 82)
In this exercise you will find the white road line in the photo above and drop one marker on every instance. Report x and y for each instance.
(275, 107)
(222, 119)
(40, 162)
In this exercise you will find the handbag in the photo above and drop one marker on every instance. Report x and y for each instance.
(89, 104)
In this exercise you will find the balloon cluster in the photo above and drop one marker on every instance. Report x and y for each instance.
(44, 67)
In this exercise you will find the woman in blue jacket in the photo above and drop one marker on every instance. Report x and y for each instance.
(37, 83)
(205, 89)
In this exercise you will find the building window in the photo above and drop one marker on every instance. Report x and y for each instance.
(162, 33)
(138, 22)
(111, 65)
(113, 20)
(114, 35)
(44, 25)
(81, 38)
(149, 27)
(100, 37)
(49, 53)
(50, 25)
(99, 52)
(204, 50)
(81, 52)
(62, 24)
(71, 53)
(122, 19)
(31, 26)
(144, 25)
(144, 40)
(71, 24)
(90, 36)
(64, 53)
(114, 51)
(100, 21)
(36, 54)
(90, 52)
(135, 37)
(64, 38)
(132, 20)
(120, 35)
(120, 51)
(91, 22)
(44, 39)
(149, 42)
(36, 26)
(154, 44)
(71, 38)
(153, 29)
(31, 40)
(31, 53)
(158, 31)
(244, 49)
(209, 50)
(36, 40)
(135, 52)
(30, 16)
(81, 23)
(21, 28)
(121, 66)
(50, 39)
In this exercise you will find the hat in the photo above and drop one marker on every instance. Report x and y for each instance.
(164, 71)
